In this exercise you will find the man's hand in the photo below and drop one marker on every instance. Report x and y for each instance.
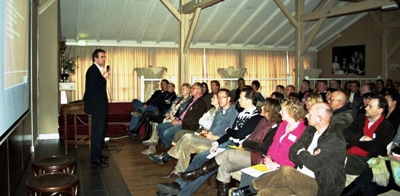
(144, 105)
(317, 151)
(211, 136)
(366, 138)
(175, 122)
(106, 75)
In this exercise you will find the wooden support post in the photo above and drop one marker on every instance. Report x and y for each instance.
(299, 58)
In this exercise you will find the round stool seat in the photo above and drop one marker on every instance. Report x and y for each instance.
(55, 183)
(58, 163)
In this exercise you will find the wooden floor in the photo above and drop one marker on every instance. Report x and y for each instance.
(140, 174)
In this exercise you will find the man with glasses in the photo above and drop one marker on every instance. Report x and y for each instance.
(368, 136)
(342, 110)
(193, 144)
(188, 119)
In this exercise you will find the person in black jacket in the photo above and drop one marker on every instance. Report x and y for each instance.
(96, 104)
(158, 103)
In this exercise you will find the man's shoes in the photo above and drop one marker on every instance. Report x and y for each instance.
(138, 113)
(157, 159)
(149, 151)
(104, 158)
(244, 191)
(100, 163)
(159, 193)
(172, 188)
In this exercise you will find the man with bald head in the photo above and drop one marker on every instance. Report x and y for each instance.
(319, 156)
(342, 109)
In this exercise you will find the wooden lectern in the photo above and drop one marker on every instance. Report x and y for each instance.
(75, 109)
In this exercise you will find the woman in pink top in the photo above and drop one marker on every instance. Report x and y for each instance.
(289, 131)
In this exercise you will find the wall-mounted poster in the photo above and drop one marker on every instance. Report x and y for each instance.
(348, 60)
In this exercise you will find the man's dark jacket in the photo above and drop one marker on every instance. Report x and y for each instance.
(328, 165)
(383, 136)
(193, 114)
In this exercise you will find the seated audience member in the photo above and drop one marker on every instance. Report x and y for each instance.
(312, 98)
(288, 132)
(389, 82)
(335, 84)
(148, 116)
(342, 110)
(211, 130)
(396, 85)
(241, 84)
(396, 139)
(368, 136)
(354, 91)
(304, 90)
(158, 103)
(393, 113)
(321, 89)
(347, 86)
(256, 85)
(329, 92)
(257, 143)
(205, 87)
(278, 96)
(280, 89)
(319, 156)
(373, 87)
(380, 85)
(381, 177)
(188, 119)
(214, 89)
(365, 97)
(244, 124)
(289, 89)
(179, 104)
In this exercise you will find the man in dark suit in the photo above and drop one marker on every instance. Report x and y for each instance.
(96, 104)
(368, 136)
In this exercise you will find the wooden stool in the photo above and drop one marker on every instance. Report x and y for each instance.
(57, 163)
(56, 183)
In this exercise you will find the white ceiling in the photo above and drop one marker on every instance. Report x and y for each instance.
(237, 24)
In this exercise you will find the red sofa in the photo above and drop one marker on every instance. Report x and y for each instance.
(119, 116)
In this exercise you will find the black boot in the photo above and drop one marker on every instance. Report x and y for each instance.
(244, 191)
(207, 167)
(147, 129)
(351, 189)
(222, 188)
(135, 131)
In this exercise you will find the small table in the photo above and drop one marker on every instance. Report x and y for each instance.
(52, 164)
(56, 183)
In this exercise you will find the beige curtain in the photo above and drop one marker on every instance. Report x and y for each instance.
(266, 64)
(124, 83)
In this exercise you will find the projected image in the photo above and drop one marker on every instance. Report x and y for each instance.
(14, 64)
(16, 42)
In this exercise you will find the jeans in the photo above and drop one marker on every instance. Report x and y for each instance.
(166, 131)
(138, 105)
(188, 188)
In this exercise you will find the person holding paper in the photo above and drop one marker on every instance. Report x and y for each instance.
(243, 126)
(319, 156)
(284, 136)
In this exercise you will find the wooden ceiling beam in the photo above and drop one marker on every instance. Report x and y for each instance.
(192, 27)
(346, 9)
(286, 12)
(171, 9)
(191, 6)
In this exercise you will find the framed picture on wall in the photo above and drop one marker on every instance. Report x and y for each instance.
(348, 60)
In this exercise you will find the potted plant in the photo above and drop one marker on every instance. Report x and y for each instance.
(68, 64)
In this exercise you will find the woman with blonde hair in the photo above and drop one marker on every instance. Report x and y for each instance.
(312, 98)
(179, 102)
